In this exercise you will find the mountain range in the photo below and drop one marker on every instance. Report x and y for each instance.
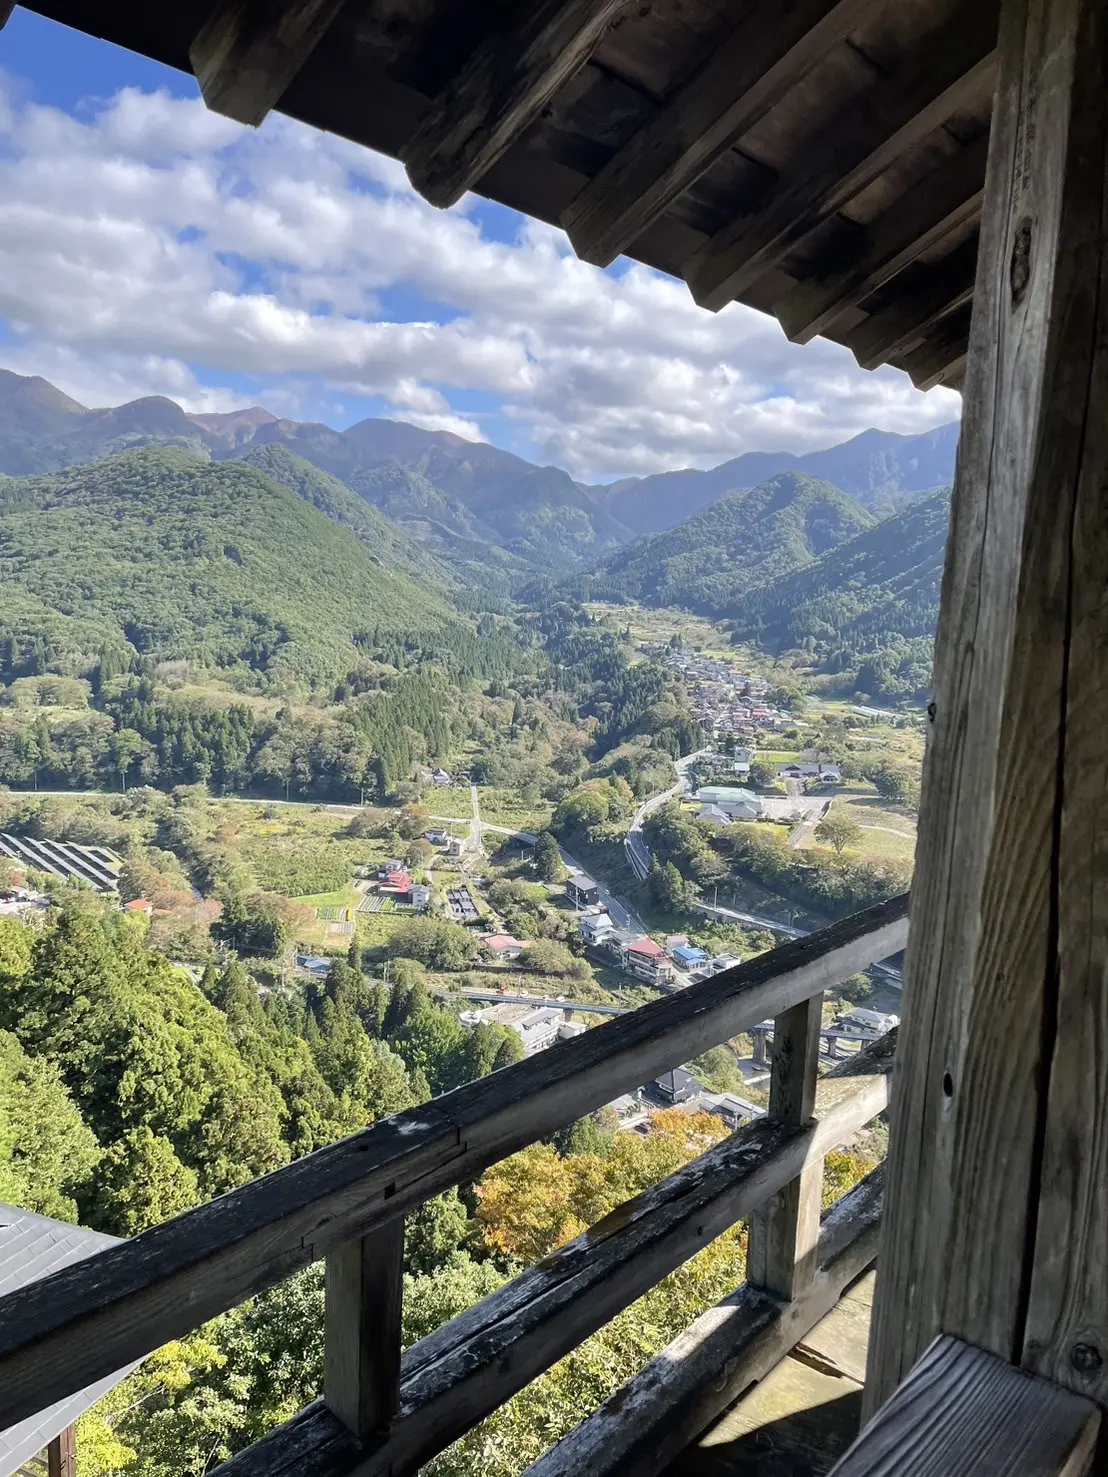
(492, 517)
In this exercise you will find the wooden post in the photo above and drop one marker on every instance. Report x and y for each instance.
(61, 1454)
(781, 1253)
(364, 1300)
(996, 1227)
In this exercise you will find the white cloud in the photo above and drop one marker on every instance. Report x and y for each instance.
(149, 246)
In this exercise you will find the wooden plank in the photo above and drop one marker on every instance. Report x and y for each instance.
(61, 1454)
(784, 1232)
(364, 1299)
(737, 85)
(639, 1430)
(941, 358)
(980, 986)
(459, 1374)
(63, 1332)
(248, 51)
(901, 325)
(501, 90)
(884, 122)
(966, 1413)
(1066, 1334)
(939, 204)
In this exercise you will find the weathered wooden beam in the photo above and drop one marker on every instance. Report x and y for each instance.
(61, 1454)
(760, 61)
(67, 1330)
(458, 1375)
(500, 90)
(784, 1232)
(888, 119)
(1005, 973)
(900, 326)
(936, 363)
(364, 1301)
(656, 1415)
(944, 200)
(965, 1413)
(248, 51)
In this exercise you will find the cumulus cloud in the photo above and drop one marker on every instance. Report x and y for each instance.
(148, 246)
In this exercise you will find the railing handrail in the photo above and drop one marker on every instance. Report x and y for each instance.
(85, 1322)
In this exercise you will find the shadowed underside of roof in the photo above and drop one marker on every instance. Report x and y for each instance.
(821, 160)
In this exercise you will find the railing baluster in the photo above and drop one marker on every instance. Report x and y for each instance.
(781, 1253)
(364, 1301)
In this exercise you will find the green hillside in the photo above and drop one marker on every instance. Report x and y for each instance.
(869, 605)
(175, 557)
(709, 561)
(377, 533)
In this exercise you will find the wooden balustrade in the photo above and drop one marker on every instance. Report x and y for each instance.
(382, 1415)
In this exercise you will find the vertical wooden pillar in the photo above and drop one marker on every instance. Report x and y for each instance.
(996, 1224)
(364, 1301)
(781, 1252)
(61, 1454)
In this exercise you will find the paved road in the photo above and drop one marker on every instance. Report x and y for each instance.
(886, 971)
(638, 853)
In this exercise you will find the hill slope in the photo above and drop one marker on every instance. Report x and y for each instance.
(870, 604)
(707, 562)
(880, 469)
(175, 557)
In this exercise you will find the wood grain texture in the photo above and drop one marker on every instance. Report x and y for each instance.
(61, 1454)
(941, 357)
(1066, 1335)
(947, 287)
(364, 1299)
(766, 54)
(456, 1376)
(61, 1333)
(644, 1425)
(782, 1247)
(965, 1413)
(979, 989)
(839, 162)
(501, 89)
(947, 199)
(248, 51)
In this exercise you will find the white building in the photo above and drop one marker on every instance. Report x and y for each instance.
(595, 926)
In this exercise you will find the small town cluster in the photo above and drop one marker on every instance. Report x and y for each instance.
(728, 704)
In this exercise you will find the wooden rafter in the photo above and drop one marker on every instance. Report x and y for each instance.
(904, 322)
(948, 198)
(766, 54)
(841, 161)
(500, 90)
(248, 51)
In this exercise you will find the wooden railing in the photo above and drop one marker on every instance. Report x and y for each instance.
(386, 1414)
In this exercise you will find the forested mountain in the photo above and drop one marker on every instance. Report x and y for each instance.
(707, 562)
(451, 493)
(492, 517)
(879, 468)
(869, 604)
(158, 553)
(379, 534)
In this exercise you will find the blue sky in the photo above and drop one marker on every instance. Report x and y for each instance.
(150, 247)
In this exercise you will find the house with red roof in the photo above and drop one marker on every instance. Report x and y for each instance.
(502, 946)
(647, 961)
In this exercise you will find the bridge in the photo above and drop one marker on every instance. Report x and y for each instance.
(560, 1002)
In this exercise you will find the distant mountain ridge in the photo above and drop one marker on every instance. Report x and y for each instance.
(706, 563)
(490, 516)
(881, 469)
